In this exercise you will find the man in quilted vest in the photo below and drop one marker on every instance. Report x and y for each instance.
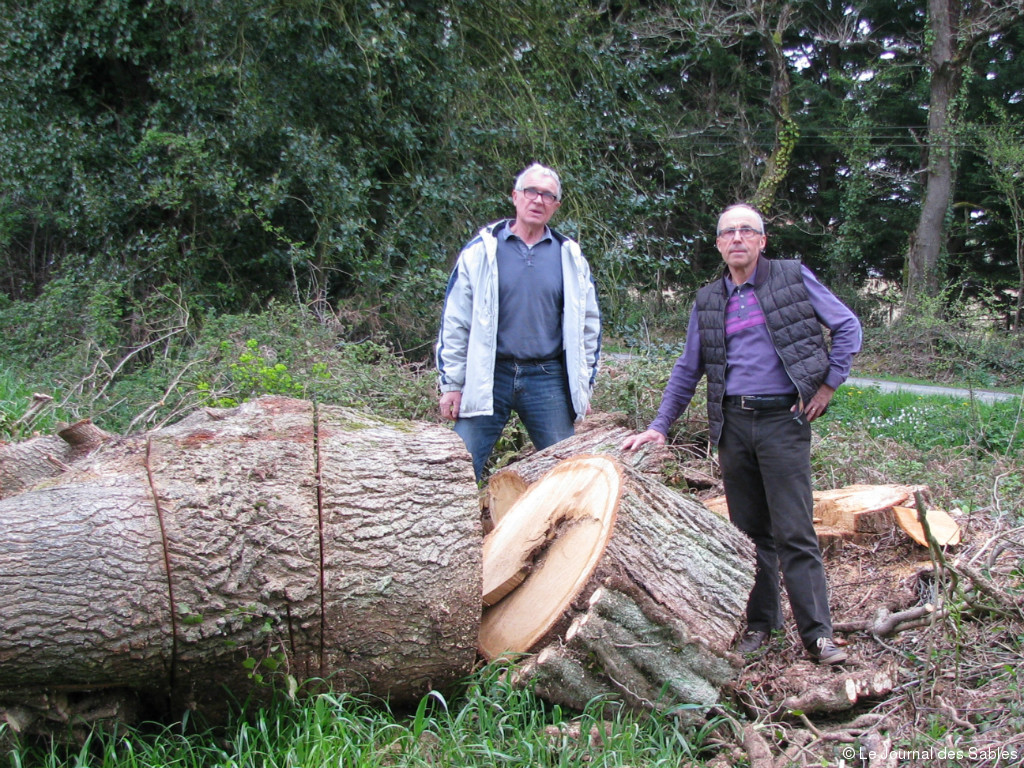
(756, 333)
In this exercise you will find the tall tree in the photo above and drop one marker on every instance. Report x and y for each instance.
(955, 28)
(752, 32)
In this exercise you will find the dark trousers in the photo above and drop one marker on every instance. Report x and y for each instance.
(766, 469)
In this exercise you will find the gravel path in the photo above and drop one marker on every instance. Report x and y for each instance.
(984, 396)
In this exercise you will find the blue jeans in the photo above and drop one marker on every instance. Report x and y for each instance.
(538, 392)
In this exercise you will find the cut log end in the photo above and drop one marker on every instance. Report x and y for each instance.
(556, 537)
(629, 592)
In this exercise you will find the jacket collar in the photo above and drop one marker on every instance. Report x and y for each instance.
(761, 274)
(498, 226)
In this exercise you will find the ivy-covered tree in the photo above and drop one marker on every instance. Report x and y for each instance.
(955, 29)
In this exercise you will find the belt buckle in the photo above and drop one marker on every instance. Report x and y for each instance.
(743, 403)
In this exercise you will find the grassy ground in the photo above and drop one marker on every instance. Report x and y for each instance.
(488, 723)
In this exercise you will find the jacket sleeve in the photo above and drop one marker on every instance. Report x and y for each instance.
(592, 329)
(682, 383)
(453, 337)
(844, 328)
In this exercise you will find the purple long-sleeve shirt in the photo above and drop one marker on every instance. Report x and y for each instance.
(753, 366)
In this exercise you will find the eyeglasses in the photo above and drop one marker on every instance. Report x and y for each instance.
(745, 233)
(532, 194)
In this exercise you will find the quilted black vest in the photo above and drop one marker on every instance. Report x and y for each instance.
(792, 324)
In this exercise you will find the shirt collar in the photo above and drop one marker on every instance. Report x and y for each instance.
(730, 286)
(506, 232)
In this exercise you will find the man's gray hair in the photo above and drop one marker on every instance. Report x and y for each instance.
(543, 170)
(752, 209)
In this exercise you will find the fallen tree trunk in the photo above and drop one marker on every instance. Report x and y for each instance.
(27, 463)
(277, 537)
(274, 537)
(623, 587)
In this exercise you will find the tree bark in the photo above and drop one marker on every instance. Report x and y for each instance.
(923, 273)
(276, 537)
(787, 131)
(643, 609)
(954, 29)
(506, 486)
(24, 464)
(839, 692)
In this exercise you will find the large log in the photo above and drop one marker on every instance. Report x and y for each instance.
(621, 586)
(274, 536)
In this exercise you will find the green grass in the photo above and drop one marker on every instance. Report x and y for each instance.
(489, 723)
(15, 401)
(926, 422)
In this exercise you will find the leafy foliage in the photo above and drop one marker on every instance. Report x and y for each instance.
(338, 153)
(229, 359)
(174, 167)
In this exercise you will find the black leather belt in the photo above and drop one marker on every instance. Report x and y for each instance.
(761, 402)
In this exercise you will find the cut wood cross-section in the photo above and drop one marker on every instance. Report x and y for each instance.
(621, 586)
(558, 533)
(943, 527)
(858, 512)
(506, 486)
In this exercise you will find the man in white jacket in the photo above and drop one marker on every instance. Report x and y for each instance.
(520, 330)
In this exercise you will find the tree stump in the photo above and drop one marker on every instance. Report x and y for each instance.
(621, 586)
(855, 513)
(274, 537)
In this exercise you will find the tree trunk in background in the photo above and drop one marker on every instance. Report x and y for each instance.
(924, 277)
(787, 132)
(955, 29)
(192, 560)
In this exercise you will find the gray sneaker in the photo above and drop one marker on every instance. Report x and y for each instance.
(825, 651)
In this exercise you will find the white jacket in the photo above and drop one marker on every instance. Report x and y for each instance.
(468, 337)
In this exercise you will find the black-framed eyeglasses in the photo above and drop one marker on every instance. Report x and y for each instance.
(532, 194)
(745, 233)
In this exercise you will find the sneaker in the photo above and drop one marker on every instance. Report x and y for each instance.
(825, 651)
(752, 640)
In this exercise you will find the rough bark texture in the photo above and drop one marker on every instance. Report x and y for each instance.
(271, 537)
(840, 691)
(24, 464)
(654, 624)
(507, 485)
(953, 31)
